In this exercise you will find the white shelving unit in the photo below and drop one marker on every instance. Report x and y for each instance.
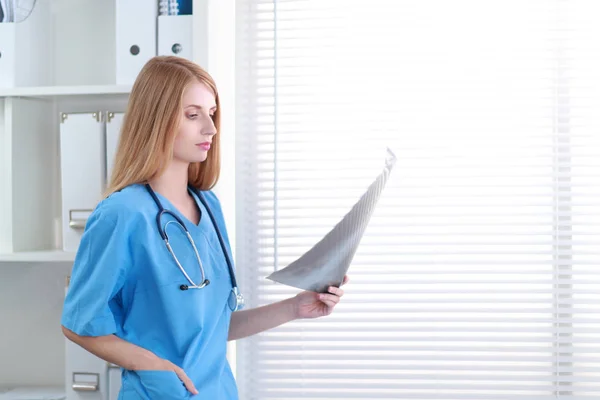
(55, 92)
(52, 256)
(78, 75)
(33, 267)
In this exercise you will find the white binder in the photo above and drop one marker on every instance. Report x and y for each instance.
(82, 166)
(135, 36)
(175, 35)
(114, 121)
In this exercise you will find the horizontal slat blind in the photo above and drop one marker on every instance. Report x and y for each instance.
(479, 274)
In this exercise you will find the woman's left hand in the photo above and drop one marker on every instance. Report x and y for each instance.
(313, 305)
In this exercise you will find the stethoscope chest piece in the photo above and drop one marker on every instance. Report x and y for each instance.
(205, 283)
(236, 300)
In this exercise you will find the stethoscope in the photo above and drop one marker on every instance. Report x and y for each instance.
(236, 299)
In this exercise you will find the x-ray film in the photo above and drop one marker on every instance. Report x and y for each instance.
(327, 262)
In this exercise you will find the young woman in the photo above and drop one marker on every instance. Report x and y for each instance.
(153, 288)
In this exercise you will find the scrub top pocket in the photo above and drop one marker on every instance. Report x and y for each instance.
(163, 385)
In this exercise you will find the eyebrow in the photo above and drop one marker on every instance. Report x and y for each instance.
(200, 107)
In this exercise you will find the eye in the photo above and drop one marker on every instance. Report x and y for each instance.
(192, 116)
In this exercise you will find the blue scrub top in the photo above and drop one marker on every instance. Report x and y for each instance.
(125, 282)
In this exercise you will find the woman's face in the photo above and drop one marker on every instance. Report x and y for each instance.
(196, 126)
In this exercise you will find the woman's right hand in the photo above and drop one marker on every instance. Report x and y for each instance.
(161, 364)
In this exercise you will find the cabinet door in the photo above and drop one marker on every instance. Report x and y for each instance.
(82, 166)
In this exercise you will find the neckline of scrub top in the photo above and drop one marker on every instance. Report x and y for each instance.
(167, 205)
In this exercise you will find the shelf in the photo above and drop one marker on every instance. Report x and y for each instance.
(65, 91)
(38, 256)
(50, 393)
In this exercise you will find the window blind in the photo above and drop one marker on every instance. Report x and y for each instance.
(479, 274)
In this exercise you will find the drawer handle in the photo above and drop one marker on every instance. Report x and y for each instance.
(86, 385)
(78, 218)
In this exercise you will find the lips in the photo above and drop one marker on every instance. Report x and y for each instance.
(204, 146)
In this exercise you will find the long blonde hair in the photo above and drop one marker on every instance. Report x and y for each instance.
(151, 123)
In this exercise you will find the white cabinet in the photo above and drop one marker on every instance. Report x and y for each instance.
(66, 63)
(88, 142)
(114, 381)
(88, 377)
(83, 171)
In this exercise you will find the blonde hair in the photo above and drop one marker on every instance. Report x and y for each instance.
(151, 123)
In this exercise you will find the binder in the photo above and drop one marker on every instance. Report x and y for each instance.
(135, 37)
(175, 35)
(82, 168)
(114, 121)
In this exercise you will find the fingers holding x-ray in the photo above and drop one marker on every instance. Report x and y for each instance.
(337, 291)
(330, 300)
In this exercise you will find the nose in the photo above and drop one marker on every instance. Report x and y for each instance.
(209, 132)
(208, 126)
